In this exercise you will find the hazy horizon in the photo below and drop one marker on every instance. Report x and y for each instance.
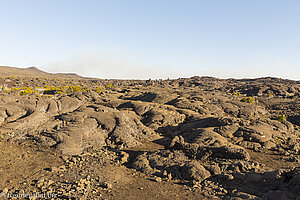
(155, 39)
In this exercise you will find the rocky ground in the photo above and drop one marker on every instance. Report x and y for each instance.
(194, 138)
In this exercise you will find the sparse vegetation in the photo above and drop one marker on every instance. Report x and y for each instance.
(237, 94)
(109, 85)
(281, 118)
(99, 90)
(248, 99)
(133, 116)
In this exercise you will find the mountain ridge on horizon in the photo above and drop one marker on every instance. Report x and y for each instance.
(34, 71)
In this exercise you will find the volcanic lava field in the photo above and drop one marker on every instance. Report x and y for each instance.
(187, 138)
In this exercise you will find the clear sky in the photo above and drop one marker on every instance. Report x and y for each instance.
(153, 38)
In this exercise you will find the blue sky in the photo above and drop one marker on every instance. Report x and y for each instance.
(154, 38)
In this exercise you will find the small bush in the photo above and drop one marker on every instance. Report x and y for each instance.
(248, 99)
(26, 91)
(99, 90)
(74, 88)
(237, 94)
(281, 118)
(109, 85)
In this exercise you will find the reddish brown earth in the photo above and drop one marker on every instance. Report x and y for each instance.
(193, 138)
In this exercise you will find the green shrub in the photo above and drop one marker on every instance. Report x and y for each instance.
(237, 94)
(109, 85)
(281, 118)
(74, 88)
(248, 99)
(26, 91)
(99, 89)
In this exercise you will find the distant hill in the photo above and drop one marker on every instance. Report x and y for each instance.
(33, 71)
